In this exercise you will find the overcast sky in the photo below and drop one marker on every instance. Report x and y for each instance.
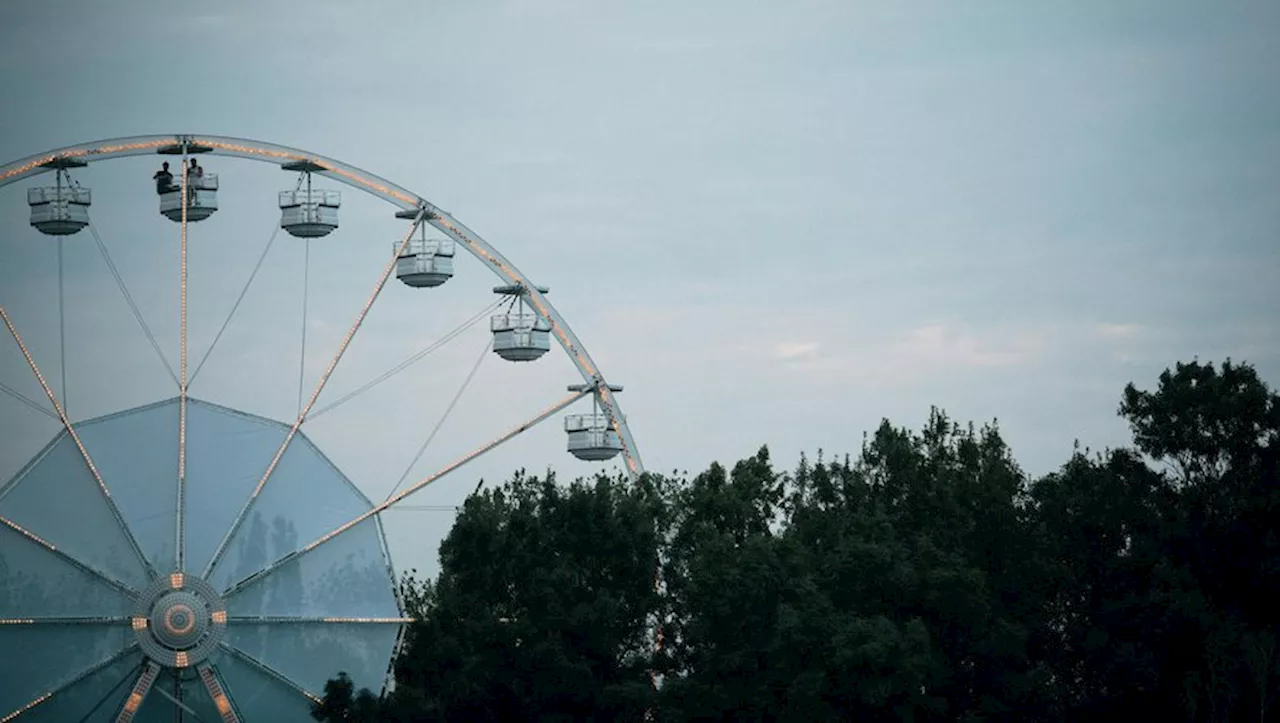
(774, 223)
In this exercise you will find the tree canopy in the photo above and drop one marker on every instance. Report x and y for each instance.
(926, 579)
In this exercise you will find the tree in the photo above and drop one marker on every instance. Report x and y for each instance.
(1202, 422)
(542, 608)
(1162, 574)
(342, 703)
(1217, 431)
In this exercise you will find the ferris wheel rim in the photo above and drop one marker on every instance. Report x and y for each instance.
(374, 185)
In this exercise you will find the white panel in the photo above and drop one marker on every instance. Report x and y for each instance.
(137, 455)
(37, 659)
(259, 697)
(305, 497)
(347, 576)
(36, 582)
(311, 654)
(227, 453)
(59, 500)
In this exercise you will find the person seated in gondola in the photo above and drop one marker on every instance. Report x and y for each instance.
(164, 179)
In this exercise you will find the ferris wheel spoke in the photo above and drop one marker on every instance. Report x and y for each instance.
(62, 328)
(389, 502)
(287, 619)
(234, 307)
(181, 501)
(324, 378)
(74, 561)
(75, 437)
(444, 416)
(27, 401)
(133, 306)
(306, 283)
(416, 357)
(269, 671)
(75, 678)
(73, 620)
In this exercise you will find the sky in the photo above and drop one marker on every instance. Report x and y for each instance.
(773, 223)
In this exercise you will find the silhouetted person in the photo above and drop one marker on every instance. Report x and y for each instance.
(163, 179)
(194, 173)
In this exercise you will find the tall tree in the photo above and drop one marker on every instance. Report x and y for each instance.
(1216, 431)
(543, 606)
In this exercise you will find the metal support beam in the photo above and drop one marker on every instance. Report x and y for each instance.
(146, 679)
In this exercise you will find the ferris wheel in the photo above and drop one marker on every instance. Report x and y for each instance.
(188, 560)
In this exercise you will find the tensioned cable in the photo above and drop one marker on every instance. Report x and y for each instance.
(450, 336)
(137, 314)
(471, 375)
(27, 401)
(306, 282)
(131, 675)
(235, 306)
(62, 327)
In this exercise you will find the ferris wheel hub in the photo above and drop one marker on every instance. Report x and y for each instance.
(179, 620)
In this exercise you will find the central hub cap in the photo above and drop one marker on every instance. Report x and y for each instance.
(179, 620)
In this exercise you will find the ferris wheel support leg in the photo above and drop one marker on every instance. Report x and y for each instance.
(146, 679)
(69, 682)
(324, 379)
(213, 685)
(84, 453)
(474, 454)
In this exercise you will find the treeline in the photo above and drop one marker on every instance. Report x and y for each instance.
(927, 579)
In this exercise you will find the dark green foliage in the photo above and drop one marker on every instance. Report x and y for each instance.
(542, 607)
(926, 580)
(342, 703)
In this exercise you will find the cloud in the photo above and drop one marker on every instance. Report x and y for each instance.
(935, 344)
(796, 350)
(923, 352)
(1117, 331)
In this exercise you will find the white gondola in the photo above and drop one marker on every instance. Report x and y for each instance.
(59, 210)
(591, 437)
(425, 263)
(63, 208)
(203, 192)
(309, 213)
(520, 337)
